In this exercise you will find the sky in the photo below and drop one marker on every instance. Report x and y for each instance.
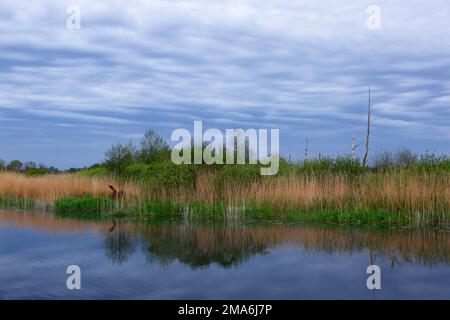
(302, 66)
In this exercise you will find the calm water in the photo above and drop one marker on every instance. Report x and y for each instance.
(176, 259)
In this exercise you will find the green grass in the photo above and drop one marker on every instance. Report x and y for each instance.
(159, 208)
(96, 206)
(85, 205)
(351, 216)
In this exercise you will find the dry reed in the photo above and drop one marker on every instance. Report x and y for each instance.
(397, 192)
(49, 188)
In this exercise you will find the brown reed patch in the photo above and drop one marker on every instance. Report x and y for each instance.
(52, 187)
(397, 192)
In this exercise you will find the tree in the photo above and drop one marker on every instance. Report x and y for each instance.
(367, 135)
(405, 158)
(53, 170)
(2, 164)
(15, 165)
(29, 165)
(152, 147)
(119, 156)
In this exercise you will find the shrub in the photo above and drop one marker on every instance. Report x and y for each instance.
(238, 173)
(93, 172)
(120, 156)
(165, 174)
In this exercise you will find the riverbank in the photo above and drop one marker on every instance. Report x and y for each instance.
(219, 211)
(392, 197)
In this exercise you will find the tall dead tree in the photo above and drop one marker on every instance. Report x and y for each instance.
(306, 150)
(368, 134)
(353, 147)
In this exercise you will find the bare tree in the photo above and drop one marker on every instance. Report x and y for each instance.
(306, 150)
(368, 134)
(354, 146)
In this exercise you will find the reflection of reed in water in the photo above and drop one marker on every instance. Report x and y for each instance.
(47, 222)
(120, 243)
(233, 243)
(199, 246)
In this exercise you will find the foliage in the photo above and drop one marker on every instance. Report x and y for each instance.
(237, 173)
(120, 156)
(93, 172)
(152, 148)
(166, 174)
(15, 165)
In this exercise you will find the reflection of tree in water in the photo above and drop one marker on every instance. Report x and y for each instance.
(228, 244)
(199, 245)
(120, 243)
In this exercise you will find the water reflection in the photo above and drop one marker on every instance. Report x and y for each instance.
(200, 246)
(229, 244)
(120, 242)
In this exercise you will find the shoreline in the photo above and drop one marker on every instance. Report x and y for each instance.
(91, 207)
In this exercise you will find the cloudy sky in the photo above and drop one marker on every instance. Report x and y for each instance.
(303, 66)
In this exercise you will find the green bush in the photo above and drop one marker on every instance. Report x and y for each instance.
(36, 171)
(239, 173)
(93, 172)
(137, 171)
(326, 165)
(164, 174)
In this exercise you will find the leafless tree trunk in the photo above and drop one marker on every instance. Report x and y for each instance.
(368, 134)
(353, 147)
(306, 150)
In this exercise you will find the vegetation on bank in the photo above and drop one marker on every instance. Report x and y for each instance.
(87, 206)
(394, 188)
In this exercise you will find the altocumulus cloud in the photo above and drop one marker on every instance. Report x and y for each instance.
(302, 66)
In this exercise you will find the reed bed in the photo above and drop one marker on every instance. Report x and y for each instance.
(396, 192)
(49, 188)
(423, 196)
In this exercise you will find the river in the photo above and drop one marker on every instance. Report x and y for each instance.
(179, 259)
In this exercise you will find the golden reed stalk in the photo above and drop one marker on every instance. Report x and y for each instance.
(398, 191)
(49, 188)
